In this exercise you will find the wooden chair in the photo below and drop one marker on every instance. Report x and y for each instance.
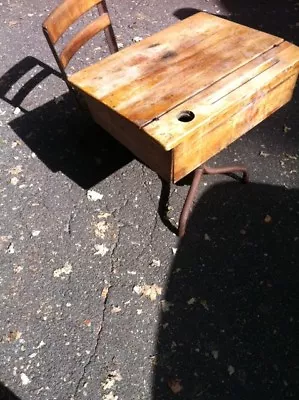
(62, 17)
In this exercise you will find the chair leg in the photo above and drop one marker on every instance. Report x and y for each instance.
(186, 210)
(109, 33)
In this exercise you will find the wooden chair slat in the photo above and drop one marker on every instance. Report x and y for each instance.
(65, 15)
(60, 20)
(82, 37)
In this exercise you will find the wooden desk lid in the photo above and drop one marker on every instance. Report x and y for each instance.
(191, 65)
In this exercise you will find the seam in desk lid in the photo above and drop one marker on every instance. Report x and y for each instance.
(206, 49)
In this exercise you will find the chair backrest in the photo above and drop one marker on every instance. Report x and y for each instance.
(64, 16)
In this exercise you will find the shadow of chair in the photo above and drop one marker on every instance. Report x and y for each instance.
(14, 74)
(63, 137)
(232, 293)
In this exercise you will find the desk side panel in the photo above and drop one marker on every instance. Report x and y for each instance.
(133, 138)
(197, 149)
(228, 96)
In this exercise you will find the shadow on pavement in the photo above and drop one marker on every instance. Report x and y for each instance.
(66, 140)
(62, 136)
(232, 323)
(17, 72)
(6, 394)
(276, 17)
(183, 13)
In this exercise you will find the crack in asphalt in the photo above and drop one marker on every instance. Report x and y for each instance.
(72, 215)
(144, 184)
(99, 333)
(96, 346)
(68, 228)
(145, 248)
(113, 251)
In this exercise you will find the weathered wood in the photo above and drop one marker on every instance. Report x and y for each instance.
(226, 97)
(221, 77)
(65, 15)
(197, 149)
(143, 58)
(60, 20)
(182, 79)
(82, 37)
(149, 79)
(127, 133)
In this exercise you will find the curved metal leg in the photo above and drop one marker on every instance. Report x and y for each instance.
(189, 200)
(228, 170)
(163, 206)
(194, 185)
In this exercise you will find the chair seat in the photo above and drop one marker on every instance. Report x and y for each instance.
(190, 89)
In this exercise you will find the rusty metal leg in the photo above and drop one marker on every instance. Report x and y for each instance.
(189, 200)
(194, 185)
(227, 170)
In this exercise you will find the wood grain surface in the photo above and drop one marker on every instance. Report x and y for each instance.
(65, 15)
(147, 80)
(182, 95)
